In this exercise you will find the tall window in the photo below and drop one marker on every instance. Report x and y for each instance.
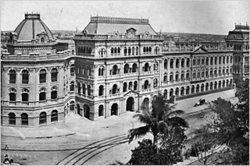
(83, 89)
(115, 70)
(54, 116)
(12, 118)
(124, 87)
(12, 94)
(126, 68)
(42, 76)
(165, 64)
(155, 66)
(177, 63)
(54, 75)
(101, 71)
(72, 86)
(54, 92)
(25, 94)
(135, 85)
(89, 90)
(42, 118)
(146, 67)
(72, 106)
(100, 110)
(42, 94)
(25, 77)
(155, 83)
(24, 119)
(188, 62)
(114, 89)
(137, 51)
(194, 61)
(134, 67)
(12, 75)
(101, 90)
(146, 85)
(72, 70)
(182, 62)
(171, 63)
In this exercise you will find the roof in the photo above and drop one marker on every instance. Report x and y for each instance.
(241, 32)
(108, 25)
(30, 27)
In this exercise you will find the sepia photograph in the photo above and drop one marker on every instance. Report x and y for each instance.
(124, 82)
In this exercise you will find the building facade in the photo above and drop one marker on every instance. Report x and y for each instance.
(120, 64)
(239, 40)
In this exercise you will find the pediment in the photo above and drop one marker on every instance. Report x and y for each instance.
(200, 49)
(131, 92)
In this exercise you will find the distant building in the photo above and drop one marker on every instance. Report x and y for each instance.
(120, 64)
(239, 40)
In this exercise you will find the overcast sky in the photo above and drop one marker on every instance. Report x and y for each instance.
(210, 17)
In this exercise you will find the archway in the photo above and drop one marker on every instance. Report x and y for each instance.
(114, 109)
(145, 102)
(130, 104)
(86, 111)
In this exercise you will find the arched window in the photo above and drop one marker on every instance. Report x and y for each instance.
(177, 63)
(130, 85)
(207, 60)
(114, 89)
(211, 61)
(134, 67)
(42, 94)
(165, 78)
(171, 63)
(219, 60)
(197, 88)
(54, 116)
(72, 86)
(188, 62)
(102, 52)
(115, 51)
(146, 84)
(124, 87)
(203, 73)
(129, 50)
(194, 74)
(228, 59)
(211, 85)
(101, 71)
(42, 39)
(125, 51)
(171, 77)
(42, 118)
(72, 106)
(187, 75)
(155, 66)
(42, 75)
(12, 94)
(135, 85)
(146, 67)
(24, 119)
(182, 76)
(198, 74)
(137, 51)
(115, 70)
(165, 64)
(187, 90)
(12, 118)
(119, 50)
(89, 90)
(177, 76)
(177, 91)
(126, 68)
(79, 88)
(202, 87)
(133, 51)
(100, 110)
(112, 51)
(224, 59)
(12, 76)
(83, 89)
(25, 77)
(72, 70)
(182, 62)
(155, 83)
(25, 94)
(54, 75)
(215, 60)
(101, 90)
(182, 91)
(215, 72)
(54, 92)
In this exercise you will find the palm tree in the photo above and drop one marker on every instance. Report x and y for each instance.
(159, 120)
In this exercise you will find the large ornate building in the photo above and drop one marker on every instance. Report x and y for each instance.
(120, 63)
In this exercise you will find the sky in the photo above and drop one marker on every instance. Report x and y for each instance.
(208, 17)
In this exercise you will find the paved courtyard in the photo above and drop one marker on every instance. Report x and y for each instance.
(80, 141)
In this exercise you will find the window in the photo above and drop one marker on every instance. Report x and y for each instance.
(219, 60)
(54, 75)
(203, 74)
(12, 118)
(182, 62)
(215, 60)
(135, 85)
(42, 94)
(202, 61)
(165, 78)
(133, 51)
(72, 70)
(134, 67)
(24, 119)
(89, 90)
(54, 92)
(124, 87)
(171, 63)
(72, 106)
(146, 67)
(194, 61)
(83, 89)
(79, 88)
(72, 86)
(25, 77)
(129, 51)
(43, 118)
(54, 116)
(125, 51)
(42, 76)
(100, 110)
(198, 61)
(207, 60)
(101, 71)
(115, 70)
(155, 83)
(187, 75)
(137, 51)
(101, 90)
(126, 68)
(188, 62)
(25, 94)
(177, 63)
(171, 77)
(155, 66)
(12, 94)
(114, 89)
(42, 40)
(146, 85)
(194, 74)
(102, 52)
(211, 60)
(165, 64)
(177, 76)
(12, 75)
(182, 76)
(130, 85)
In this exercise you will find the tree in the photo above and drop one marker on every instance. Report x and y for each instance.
(159, 120)
(146, 154)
